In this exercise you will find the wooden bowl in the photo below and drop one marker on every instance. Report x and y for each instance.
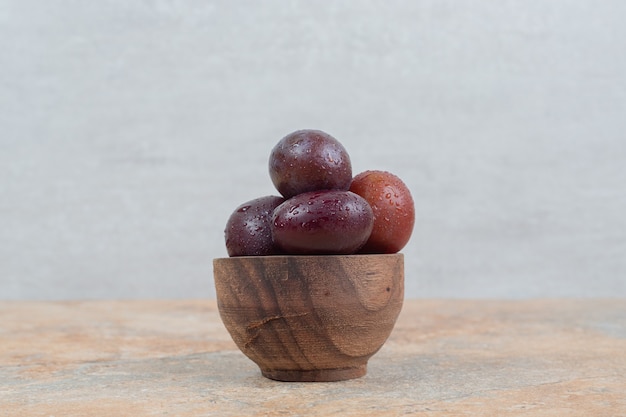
(310, 318)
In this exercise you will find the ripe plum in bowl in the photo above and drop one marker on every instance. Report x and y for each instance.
(314, 282)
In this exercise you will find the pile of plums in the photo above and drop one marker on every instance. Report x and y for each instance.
(323, 209)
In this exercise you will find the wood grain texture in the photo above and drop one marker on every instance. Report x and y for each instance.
(310, 318)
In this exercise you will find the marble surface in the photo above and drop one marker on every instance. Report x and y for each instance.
(129, 131)
(444, 358)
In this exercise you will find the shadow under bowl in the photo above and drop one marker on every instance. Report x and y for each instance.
(310, 318)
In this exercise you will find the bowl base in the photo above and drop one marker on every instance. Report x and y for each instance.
(315, 375)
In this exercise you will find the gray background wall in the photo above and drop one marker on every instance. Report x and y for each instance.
(129, 130)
